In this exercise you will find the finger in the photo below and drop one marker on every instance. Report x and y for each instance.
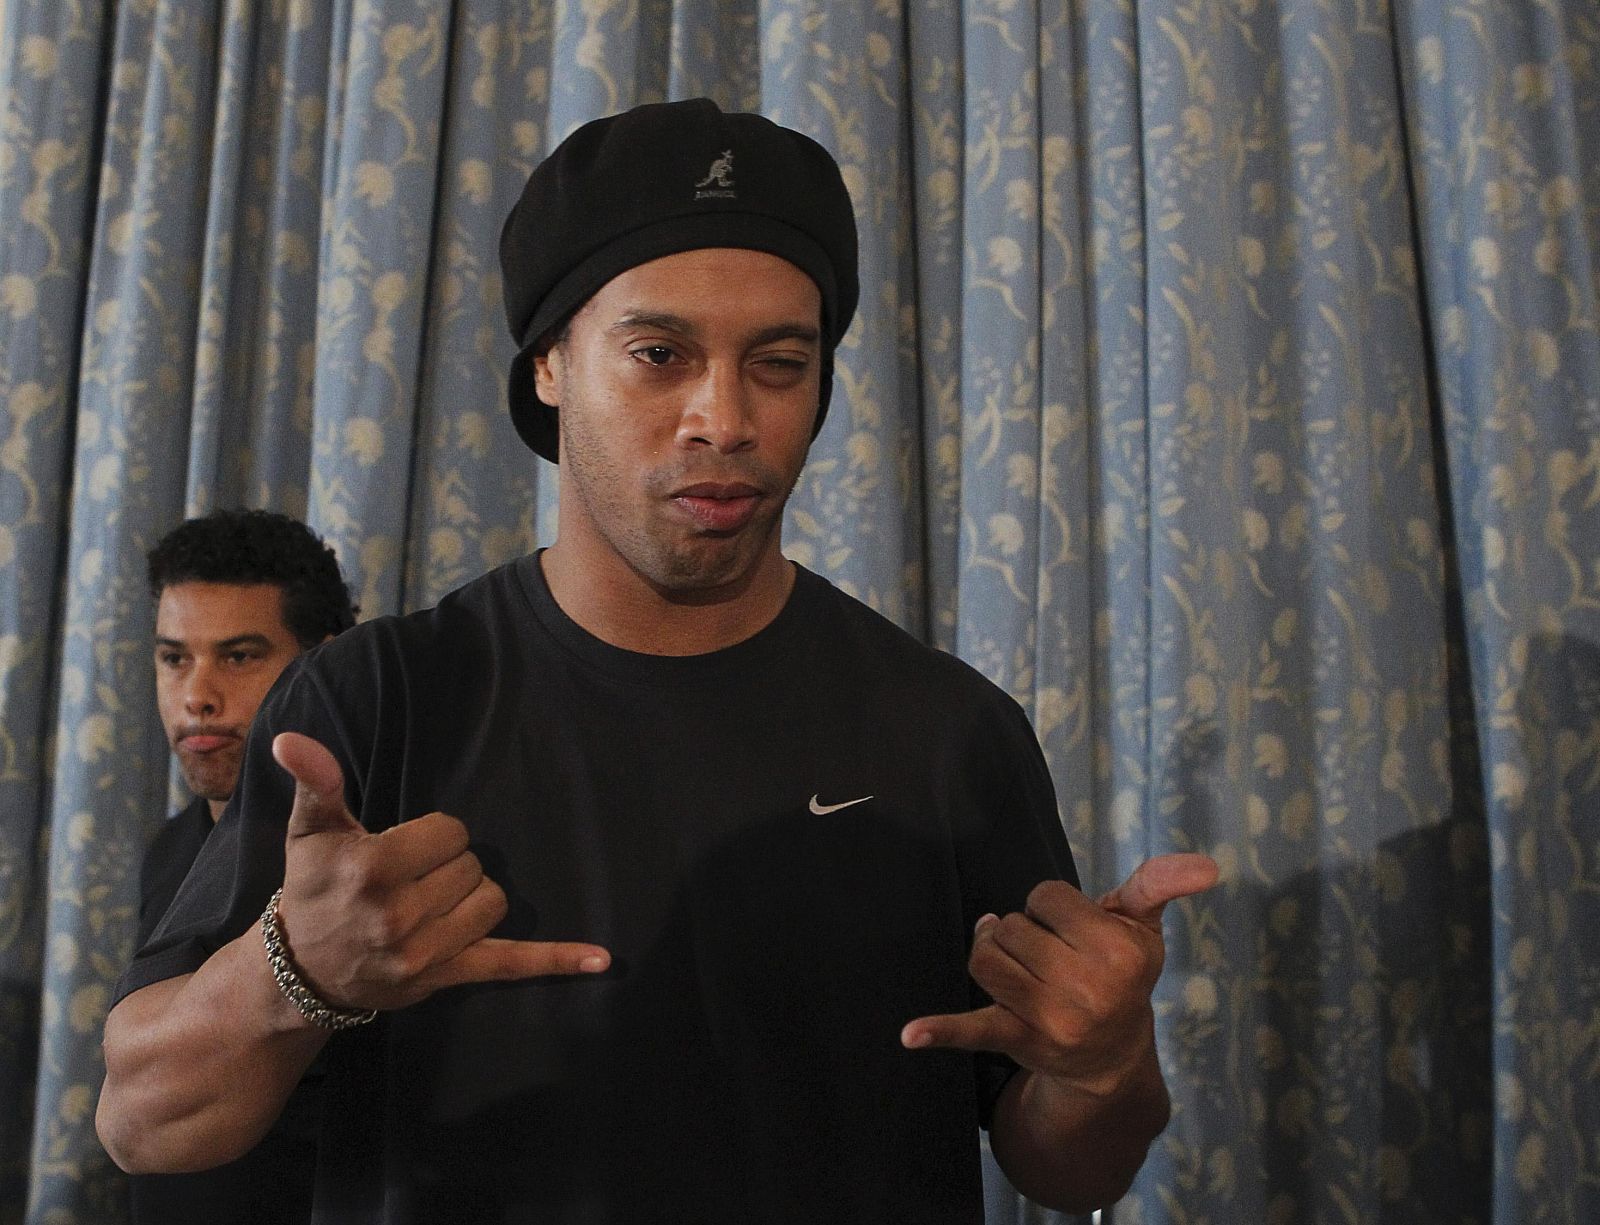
(318, 786)
(1154, 883)
(477, 914)
(439, 892)
(491, 960)
(983, 1029)
(1013, 989)
(1036, 978)
(412, 849)
(1062, 910)
(1034, 949)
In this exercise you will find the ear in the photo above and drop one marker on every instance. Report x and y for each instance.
(549, 368)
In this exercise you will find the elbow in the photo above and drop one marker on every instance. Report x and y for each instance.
(129, 1136)
(111, 1116)
(1081, 1194)
(1099, 1184)
(1082, 1162)
(118, 1135)
(136, 1118)
(123, 1133)
(117, 1144)
(1091, 1194)
(140, 1143)
(1083, 1188)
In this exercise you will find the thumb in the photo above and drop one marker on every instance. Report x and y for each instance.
(318, 786)
(1155, 882)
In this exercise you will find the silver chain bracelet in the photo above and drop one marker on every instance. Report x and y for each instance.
(293, 986)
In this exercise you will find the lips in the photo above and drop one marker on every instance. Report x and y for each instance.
(718, 506)
(206, 742)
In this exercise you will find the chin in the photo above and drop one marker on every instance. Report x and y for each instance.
(702, 564)
(702, 573)
(208, 786)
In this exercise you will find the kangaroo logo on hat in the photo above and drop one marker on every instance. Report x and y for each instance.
(719, 174)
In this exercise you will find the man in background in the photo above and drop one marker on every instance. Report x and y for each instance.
(239, 593)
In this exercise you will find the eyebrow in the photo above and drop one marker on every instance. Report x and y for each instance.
(685, 327)
(227, 644)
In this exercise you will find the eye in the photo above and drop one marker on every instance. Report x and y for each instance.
(168, 659)
(654, 355)
(781, 370)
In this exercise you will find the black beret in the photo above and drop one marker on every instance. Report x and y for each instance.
(654, 181)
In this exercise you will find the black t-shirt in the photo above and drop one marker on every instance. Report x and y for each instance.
(167, 861)
(784, 845)
(269, 1185)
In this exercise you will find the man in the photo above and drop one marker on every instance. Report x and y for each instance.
(732, 835)
(239, 593)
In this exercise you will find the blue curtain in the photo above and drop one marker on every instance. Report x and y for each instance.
(1226, 386)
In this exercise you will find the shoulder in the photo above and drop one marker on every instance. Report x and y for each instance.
(179, 839)
(394, 662)
(167, 860)
(897, 666)
(466, 621)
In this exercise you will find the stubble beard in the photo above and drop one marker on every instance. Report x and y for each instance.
(671, 557)
(214, 776)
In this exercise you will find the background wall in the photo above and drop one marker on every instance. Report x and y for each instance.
(1226, 386)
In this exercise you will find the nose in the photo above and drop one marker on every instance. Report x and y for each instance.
(718, 412)
(202, 696)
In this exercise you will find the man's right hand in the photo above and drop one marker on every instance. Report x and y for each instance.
(384, 920)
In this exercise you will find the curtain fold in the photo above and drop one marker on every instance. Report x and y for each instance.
(1226, 386)
(1507, 154)
(51, 75)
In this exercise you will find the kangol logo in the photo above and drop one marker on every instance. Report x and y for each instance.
(718, 183)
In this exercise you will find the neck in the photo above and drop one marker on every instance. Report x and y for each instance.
(216, 807)
(621, 607)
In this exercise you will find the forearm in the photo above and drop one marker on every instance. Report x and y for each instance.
(1072, 1150)
(198, 1067)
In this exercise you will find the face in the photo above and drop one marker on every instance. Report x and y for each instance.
(219, 647)
(687, 389)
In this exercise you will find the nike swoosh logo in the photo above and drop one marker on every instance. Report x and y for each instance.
(823, 810)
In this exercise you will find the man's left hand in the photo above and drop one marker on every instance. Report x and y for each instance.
(1071, 978)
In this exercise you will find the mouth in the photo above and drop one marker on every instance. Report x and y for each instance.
(203, 742)
(718, 506)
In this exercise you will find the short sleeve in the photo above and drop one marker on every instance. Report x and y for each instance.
(1017, 844)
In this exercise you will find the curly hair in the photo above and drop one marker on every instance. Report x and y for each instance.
(259, 546)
